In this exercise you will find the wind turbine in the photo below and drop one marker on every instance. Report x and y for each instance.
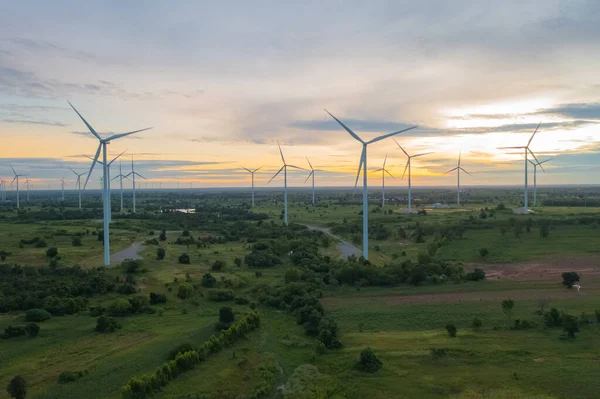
(527, 150)
(458, 168)
(252, 172)
(535, 165)
(27, 185)
(383, 171)
(78, 184)
(102, 147)
(120, 176)
(363, 165)
(2, 190)
(109, 188)
(133, 174)
(62, 188)
(312, 174)
(408, 165)
(285, 195)
(17, 179)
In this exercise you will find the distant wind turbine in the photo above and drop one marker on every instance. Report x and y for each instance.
(78, 184)
(17, 179)
(363, 166)
(535, 165)
(133, 174)
(527, 151)
(27, 186)
(252, 172)
(2, 190)
(102, 147)
(408, 165)
(312, 174)
(120, 176)
(285, 194)
(109, 181)
(458, 168)
(62, 188)
(383, 171)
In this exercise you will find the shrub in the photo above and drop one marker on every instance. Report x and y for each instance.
(120, 307)
(163, 236)
(220, 295)
(241, 300)
(106, 324)
(3, 255)
(126, 289)
(160, 253)
(17, 387)
(476, 323)
(451, 328)
(368, 362)
(69, 376)
(131, 265)
(37, 315)
(238, 262)
(438, 353)
(181, 348)
(76, 241)
(476, 275)
(155, 298)
(41, 244)
(14, 332)
(226, 315)
(483, 252)
(51, 252)
(32, 329)
(571, 325)
(320, 348)
(328, 332)
(553, 318)
(208, 281)
(570, 278)
(184, 259)
(185, 291)
(292, 275)
(544, 230)
(218, 265)
(185, 233)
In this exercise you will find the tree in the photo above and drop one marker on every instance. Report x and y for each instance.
(476, 275)
(76, 241)
(369, 362)
(208, 281)
(3, 255)
(507, 307)
(163, 235)
(155, 298)
(32, 329)
(483, 252)
(328, 331)
(544, 230)
(17, 387)
(476, 323)
(571, 325)
(185, 291)
(292, 275)
(52, 252)
(160, 253)
(226, 315)
(184, 259)
(37, 315)
(238, 262)
(451, 328)
(570, 278)
(185, 233)
(106, 324)
(218, 265)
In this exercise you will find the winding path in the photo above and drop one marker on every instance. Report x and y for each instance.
(346, 249)
(127, 253)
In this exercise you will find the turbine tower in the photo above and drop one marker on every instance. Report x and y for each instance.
(363, 165)
(102, 147)
(312, 174)
(109, 188)
(383, 171)
(78, 184)
(27, 186)
(458, 168)
(535, 165)
(527, 151)
(408, 165)
(133, 174)
(285, 195)
(252, 172)
(2, 190)
(120, 176)
(62, 189)
(17, 179)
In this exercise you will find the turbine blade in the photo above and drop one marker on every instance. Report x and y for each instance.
(297, 167)
(385, 136)
(377, 170)
(545, 161)
(281, 152)
(93, 164)
(384, 161)
(256, 170)
(247, 169)
(420, 155)
(309, 164)
(275, 175)
(406, 167)
(405, 153)
(466, 171)
(452, 170)
(117, 157)
(536, 129)
(74, 172)
(346, 128)
(138, 175)
(117, 136)
(534, 157)
(13, 180)
(309, 175)
(392, 176)
(507, 148)
(459, 155)
(13, 169)
(86, 122)
(362, 160)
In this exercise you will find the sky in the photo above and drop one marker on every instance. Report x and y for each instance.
(221, 83)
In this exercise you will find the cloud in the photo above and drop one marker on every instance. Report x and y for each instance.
(32, 122)
(45, 48)
(576, 111)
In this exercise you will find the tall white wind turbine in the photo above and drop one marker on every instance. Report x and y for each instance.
(535, 165)
(27, 187)
(78, 184)
(120, 176)
(2, 190)
(17, 180)
(62, 188)
(252, 172)
(363, 166)
(109, 181)
(383, 171)
(285, 194)
(458, 169)
(133, 174)
(408, 165)
(312, 174)
(527, 151)
(102, 147)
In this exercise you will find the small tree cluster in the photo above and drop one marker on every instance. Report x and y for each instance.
(368, 362)
(106, 324)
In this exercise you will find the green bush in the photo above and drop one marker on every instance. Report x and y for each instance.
(368, 362)
(69, 376)
(37, 315)
(32, 329)
(131, 265)
(76, 241)
(160, 253)
(185, 291)
(226, 315)
(220, 295)
(51, 252)
(17, 387)
(208, 281)
(570, 278)
(451, 329)
(106, 324)
(218, 265)
(181, 348)
(184, 259)
(476, 323)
